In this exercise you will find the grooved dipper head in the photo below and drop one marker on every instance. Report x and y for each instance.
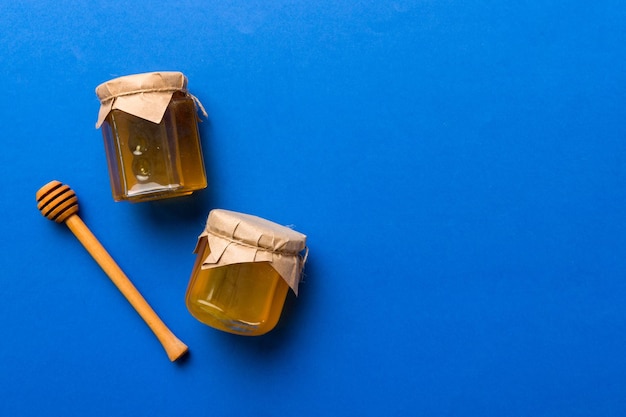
(57, 201)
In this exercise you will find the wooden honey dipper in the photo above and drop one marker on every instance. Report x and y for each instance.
(59, 203)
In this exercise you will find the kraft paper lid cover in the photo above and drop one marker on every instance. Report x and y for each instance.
(144, 95)
(238, 238)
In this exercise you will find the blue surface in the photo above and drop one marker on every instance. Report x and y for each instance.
(459, 168)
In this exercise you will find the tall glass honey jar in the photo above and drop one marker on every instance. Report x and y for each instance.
(150, 128)
(244, 268)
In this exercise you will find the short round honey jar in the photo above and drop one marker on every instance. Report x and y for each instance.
(244, 269)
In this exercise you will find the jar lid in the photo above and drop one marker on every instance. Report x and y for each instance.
(143, 95)
(239, 238)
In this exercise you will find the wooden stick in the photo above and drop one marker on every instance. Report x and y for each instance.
(58, 202)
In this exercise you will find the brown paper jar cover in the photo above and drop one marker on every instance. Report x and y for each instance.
(239, 238)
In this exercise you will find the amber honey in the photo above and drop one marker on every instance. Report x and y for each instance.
(244, 298)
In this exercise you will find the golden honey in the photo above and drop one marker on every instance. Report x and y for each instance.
(242, 288)
(242, 298)
(153, 150)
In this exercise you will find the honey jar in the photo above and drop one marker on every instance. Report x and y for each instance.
(150, 128)
(244, 268)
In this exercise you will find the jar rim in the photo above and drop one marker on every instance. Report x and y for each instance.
(254, 231)
(147, 82)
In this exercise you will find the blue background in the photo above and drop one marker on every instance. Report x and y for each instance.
(459, 169)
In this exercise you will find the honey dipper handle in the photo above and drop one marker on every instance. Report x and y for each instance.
(173, 346)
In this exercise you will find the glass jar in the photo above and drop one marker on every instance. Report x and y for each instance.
(244, 268)
(150, 128)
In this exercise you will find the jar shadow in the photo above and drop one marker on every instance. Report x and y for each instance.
(188, 209)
